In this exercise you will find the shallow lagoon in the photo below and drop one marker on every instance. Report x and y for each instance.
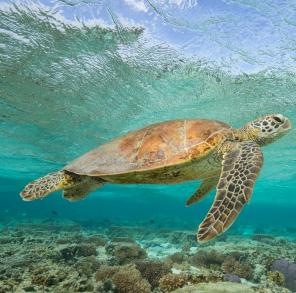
(75, 74)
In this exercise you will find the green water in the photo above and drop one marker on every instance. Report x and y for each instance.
(75, 74)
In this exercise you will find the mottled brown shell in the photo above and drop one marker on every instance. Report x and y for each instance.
(163, 144)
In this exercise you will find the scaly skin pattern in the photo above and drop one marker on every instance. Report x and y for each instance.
(240, 168)
(51, 182)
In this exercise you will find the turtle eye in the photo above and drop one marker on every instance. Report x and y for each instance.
(278, 119)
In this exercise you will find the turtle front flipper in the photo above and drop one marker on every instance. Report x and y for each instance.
(82, 189)
(206, 186)
(43, 186)
(240, 168)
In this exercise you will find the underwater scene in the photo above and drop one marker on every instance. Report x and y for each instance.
(148, 146)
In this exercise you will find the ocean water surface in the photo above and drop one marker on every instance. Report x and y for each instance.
(76, 74)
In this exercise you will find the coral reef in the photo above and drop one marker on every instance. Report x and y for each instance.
(52, 256)
(45, 276)
(153, 270)
(231, 266)
(173, 281)
(106, 287)
(69, 252)
(263, 238)
(177, 257)
(125, 252)
(208, 259)
(128, 280)
(288, 269)
(106, 272)
(276, 277)
(87, 265)
(97, 240)
(232, 278)
(220, 287)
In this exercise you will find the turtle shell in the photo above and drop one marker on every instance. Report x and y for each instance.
(155, 146)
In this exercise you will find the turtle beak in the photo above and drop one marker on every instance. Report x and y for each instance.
(287, 124)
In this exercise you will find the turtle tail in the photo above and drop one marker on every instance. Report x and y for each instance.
(43, 186)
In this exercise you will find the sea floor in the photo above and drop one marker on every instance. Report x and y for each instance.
(64, 256)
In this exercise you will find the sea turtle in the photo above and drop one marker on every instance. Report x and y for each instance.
(172, 152)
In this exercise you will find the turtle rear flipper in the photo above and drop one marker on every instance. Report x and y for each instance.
(43, 186)
(205, 188)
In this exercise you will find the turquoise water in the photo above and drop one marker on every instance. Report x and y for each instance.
(76, 74)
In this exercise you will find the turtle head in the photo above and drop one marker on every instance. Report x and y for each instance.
(266, 129)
